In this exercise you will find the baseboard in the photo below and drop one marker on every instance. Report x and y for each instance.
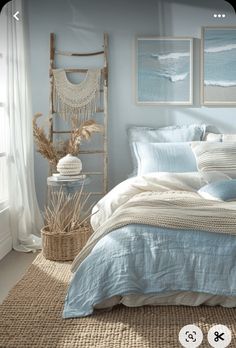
(5, 246)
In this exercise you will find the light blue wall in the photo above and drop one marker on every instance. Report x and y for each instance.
(79, 25)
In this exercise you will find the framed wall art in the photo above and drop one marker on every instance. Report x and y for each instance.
(163, 70)
(218, 85)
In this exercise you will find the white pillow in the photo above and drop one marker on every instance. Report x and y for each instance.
(220, 137)
(216, 156)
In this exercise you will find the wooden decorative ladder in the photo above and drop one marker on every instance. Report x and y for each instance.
(103, 110)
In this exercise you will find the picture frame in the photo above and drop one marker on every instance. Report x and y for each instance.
(218, 66)
(164, 71)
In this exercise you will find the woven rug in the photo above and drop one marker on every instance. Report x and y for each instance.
(31, 317)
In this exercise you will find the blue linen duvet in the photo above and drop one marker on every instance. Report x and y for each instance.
(147, 260)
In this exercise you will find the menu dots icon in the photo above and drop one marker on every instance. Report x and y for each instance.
(219, 15)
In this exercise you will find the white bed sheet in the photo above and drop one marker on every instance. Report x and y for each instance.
(185, 298)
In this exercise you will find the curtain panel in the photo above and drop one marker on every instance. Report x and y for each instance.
(25, 217)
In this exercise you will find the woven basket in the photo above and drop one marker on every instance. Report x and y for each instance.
(64, 246)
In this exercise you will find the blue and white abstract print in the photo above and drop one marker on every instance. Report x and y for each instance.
(220, 64)
(164, 70)
(220, 58)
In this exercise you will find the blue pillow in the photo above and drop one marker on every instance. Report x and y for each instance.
(184, 133)
(164, 157)
(224, 190)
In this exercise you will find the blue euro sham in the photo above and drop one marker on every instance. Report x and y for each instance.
(184, 133)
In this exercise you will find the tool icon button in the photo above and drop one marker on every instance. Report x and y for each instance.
(219, 336)
(190, 336)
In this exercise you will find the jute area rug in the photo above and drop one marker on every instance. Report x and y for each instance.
(31, 317)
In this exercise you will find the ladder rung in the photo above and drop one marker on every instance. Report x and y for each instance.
(61, 132)
(92, 193)
(75, 54)
(72, 70)
(76, 70)
(83, 152)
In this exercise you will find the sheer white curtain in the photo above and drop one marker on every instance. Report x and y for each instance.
(25, 218)
(4, 127)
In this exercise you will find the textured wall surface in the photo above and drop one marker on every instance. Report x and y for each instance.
(79, 25)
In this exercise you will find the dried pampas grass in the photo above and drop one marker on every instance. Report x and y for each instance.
(53, 152)
(84, 132)
(44, 145)
(67, 213)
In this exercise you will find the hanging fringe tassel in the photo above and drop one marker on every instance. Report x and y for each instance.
(76, 101)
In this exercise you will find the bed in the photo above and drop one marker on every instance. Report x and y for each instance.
(162, 236)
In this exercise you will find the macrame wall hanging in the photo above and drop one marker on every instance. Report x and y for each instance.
(76, 101)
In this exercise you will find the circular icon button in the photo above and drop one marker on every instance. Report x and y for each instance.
(190, 336)
(219, 336)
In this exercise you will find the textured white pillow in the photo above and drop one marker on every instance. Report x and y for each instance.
(220, 137)
(213, 137)
(216, 156)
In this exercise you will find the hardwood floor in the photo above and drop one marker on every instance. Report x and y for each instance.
(12, 268)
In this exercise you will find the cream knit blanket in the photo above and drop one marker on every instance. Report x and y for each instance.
(151, 200)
